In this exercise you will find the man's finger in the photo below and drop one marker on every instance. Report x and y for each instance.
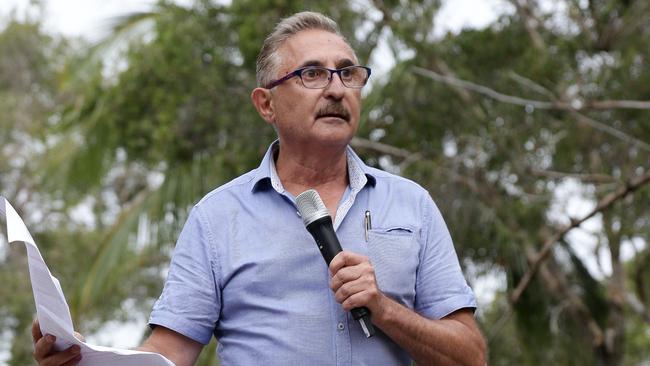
(344, 259)
(344, 275)
(357, 300)
(349, 289)
(36, 330)
(66, 357)
(43, 347)
(79, 336)
(73, 362)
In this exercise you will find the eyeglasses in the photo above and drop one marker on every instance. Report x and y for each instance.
(316, 77)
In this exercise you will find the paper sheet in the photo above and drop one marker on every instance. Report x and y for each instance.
(52, 309)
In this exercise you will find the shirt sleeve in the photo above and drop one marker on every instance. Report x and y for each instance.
(191, 300)
(440, 288)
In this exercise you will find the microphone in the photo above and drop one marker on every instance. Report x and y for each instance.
(319, 224)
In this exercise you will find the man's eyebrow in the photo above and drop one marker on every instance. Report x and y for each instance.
(339, 64)
(311, 63)
(344, 63)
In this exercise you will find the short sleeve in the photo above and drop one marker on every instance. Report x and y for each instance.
(190, 302)
(440, 288)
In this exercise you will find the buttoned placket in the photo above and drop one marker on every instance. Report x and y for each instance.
(341, 318)
(342, 336)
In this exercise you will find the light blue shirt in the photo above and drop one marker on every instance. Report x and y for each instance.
(246, 270)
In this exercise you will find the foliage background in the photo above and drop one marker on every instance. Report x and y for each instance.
(531, 134)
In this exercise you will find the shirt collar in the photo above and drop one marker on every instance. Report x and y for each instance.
(266, 175)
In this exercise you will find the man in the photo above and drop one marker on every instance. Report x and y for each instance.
(246, 270)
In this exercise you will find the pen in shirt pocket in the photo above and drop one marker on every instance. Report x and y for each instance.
(368, 223)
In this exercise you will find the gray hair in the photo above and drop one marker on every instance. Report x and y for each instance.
(269, 60)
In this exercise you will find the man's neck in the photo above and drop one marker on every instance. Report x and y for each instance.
(301, 170)
(326, 172)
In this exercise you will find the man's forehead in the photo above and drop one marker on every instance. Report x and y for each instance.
(316, 48)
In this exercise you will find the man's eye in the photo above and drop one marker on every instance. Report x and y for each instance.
(311, 73)
(346, 73)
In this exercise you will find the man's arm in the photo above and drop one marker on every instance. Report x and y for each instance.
(452, 340)
(179, 349)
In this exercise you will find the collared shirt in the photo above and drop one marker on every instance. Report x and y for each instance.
(246, 270)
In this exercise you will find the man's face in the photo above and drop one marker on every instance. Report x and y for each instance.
(303, 116)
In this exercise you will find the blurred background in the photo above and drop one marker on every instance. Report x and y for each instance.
(527, 121)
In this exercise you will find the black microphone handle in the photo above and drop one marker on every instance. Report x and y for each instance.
(323, 232)
(328, 243)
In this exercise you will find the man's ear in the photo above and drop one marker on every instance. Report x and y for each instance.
(263, 101)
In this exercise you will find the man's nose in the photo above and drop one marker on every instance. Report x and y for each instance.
(335, 89)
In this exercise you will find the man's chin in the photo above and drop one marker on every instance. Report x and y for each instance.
(334, 138)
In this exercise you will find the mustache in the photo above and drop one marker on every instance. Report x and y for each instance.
(333, 109)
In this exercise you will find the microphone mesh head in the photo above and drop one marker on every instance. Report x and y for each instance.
(311, 206)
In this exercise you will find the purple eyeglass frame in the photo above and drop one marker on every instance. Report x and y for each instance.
(299, 71)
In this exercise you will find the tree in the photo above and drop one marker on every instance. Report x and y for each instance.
(495, 123)
(28, 94)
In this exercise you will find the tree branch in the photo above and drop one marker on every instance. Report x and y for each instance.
(358, 142)
(558, 286)
(592, 178)
(604, 204)
(617, 104)
(410, 157)
(580, 16)
(554, 105)
(637, 306)
(594, 104)
(434, 63)
(531, 85)
(526, 13)
(387, 17)
(610, 130)
(468, 85)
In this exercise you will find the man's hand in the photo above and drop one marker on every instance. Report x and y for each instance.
(354, 283)
(453, 340)
(45, 355)
(176, 347)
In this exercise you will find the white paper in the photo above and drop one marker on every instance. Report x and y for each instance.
(52, 309)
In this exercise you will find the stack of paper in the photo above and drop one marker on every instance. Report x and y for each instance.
(52, 309)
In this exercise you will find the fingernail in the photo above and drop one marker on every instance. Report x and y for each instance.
(50, 338)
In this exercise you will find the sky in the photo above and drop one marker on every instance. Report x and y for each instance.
(91, 19)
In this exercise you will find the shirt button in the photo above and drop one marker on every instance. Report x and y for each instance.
(340, 326)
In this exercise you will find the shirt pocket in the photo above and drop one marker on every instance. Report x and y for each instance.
(394, 254)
